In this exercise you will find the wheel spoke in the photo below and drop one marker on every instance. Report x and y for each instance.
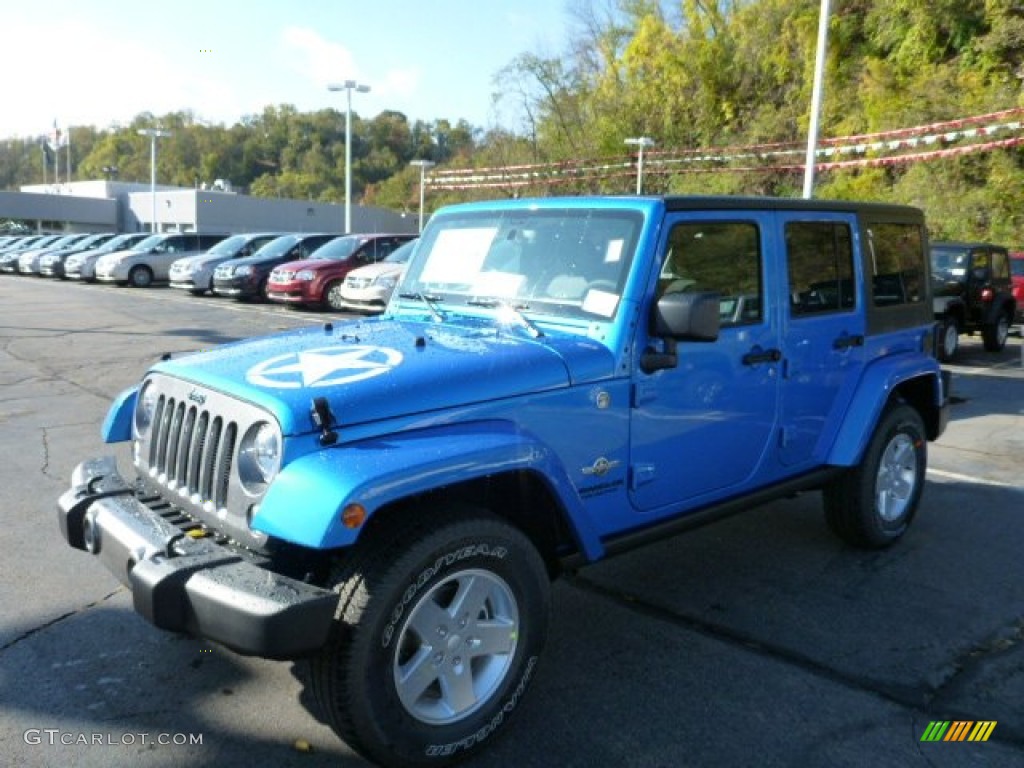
(430, 621)
(469, 601)
(457, 686)
(416, 675)
(492, 638)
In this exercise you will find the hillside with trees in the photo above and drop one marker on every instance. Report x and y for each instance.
(922, 104)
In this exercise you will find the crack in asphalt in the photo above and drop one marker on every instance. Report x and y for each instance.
(925, 700)
(46, 453)
(53, 622)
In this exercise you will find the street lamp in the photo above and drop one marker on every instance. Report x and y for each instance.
(640, 142)
(819, 77)
(348, 86)
(423, 164)
(153, 134)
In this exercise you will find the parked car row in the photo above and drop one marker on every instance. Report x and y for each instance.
(318, 269)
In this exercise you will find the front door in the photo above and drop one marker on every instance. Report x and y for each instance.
(701, 430)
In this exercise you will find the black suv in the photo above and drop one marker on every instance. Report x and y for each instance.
(971, 292)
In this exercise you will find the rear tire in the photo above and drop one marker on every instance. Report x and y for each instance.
(872, 505)
(437, 635)
(994, 335)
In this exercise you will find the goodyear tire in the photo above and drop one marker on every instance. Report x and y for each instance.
(994, 335)
(873, 504)
(437, 636)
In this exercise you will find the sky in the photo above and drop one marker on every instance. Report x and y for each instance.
(102, 62)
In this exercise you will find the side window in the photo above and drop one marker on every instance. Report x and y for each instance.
(895, 253)
(819, 255)
(723, 257)
(1000, 266)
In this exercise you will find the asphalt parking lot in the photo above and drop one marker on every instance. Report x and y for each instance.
(759, 641)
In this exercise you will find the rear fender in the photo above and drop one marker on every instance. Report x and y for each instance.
(875, 390)
(305, 501)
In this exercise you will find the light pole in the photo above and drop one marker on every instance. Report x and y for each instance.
(153, 134)
(348, 86)
(640, 142)
(819, 78)
(423, 164)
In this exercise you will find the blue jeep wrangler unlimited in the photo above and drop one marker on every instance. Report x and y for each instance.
(555, 381)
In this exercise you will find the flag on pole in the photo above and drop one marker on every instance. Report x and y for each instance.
(56, 139)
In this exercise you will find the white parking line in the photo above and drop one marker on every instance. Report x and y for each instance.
(970, 479)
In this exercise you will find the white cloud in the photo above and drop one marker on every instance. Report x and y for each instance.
(318, 60)
(78, 82)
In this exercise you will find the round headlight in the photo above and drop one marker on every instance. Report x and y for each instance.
(305, 275)
(243, 271)
(259, 455)
(145, 407)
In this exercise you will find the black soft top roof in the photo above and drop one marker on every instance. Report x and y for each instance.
(702, 202)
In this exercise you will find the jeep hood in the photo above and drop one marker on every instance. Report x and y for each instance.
(380, 369)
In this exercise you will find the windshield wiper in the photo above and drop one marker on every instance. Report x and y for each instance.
(514, 310)
(427, 298)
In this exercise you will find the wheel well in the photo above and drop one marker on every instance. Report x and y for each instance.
(955, 312)
(522, 498)
(919, 393)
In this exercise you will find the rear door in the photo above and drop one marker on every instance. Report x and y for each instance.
(824, 329)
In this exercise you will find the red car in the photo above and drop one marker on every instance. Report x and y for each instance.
(1017, 275)
(317, 281)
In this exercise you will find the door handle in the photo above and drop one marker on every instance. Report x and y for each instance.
(846, 341)
(758, 355)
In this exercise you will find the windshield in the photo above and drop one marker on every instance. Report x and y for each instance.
(279, 246)
(568, 262)
(229, 246)
(338, 249)
(401, 254)
(149, 243)
(119, 243)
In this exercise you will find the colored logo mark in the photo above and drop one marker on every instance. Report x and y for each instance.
(958, 730)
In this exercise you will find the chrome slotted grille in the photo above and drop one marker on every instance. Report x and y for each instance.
(191, 450)
(358, 282)
(188, 457)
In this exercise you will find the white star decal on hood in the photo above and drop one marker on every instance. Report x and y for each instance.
(318, 367)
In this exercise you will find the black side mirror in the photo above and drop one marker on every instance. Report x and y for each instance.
(687, 316)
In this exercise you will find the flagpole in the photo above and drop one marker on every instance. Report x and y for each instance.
(69, 157)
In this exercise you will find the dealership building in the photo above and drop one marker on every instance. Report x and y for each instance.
(117, 206)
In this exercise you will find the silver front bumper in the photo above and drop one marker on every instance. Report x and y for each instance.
(186, 584)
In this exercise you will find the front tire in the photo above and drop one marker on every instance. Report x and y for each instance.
(994, 335)
(949, 339)
(332, 295)
(437, 635)
(140, 277)
(872, 505)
